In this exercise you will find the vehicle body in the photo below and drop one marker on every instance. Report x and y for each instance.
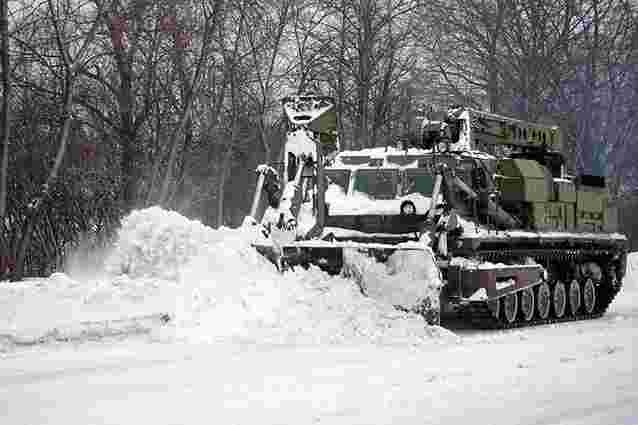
(516, 240)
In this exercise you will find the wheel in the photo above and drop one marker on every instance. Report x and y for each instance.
(574, 297)
(559, 300)
(589, 296)
(495, 308)
(510, 307)
(543, 301)
(527, 304)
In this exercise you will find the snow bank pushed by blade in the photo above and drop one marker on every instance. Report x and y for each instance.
(228, 290)
(156, 243)
(408, 277)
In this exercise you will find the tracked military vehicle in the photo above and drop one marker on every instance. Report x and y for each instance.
(485, 197)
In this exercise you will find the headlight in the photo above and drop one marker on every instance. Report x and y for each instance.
(407, 208)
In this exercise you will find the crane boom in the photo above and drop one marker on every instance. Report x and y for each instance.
(475, 130)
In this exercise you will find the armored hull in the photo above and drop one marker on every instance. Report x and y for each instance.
(513, 279)
(483, 199)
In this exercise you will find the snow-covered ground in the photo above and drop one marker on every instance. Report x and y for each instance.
(246, 346)
(211, 283)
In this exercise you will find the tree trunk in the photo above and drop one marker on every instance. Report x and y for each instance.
(177, 136)
(340, 76)
(4, 121)
(189, 88)
(35, 207)
(364, 73)
(131, 167)
(221, 185)
(493, 65)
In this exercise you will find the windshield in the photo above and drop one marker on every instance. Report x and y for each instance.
(339, 177)
(418, 181)
(377, 184)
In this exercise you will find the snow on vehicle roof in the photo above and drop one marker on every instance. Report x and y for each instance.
(474, 230)
(477, 155)
(381, 152)
(480, 232)
(561, 180)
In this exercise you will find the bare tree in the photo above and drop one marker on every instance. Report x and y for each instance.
(71, 66)
(266, 42)
(211, 18)
(6, 93)
(368, 55)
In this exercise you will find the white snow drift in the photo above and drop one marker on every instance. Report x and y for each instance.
(215, 285)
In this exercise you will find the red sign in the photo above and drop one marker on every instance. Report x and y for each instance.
(119, 40)
(168, 24)
(87, 151)
(119, 24)
(7, 264)
(183, 40)
(119, 32)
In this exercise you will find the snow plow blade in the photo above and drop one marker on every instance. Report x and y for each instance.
(404, 275)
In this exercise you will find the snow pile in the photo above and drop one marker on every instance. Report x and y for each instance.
(408, 278)
(229, 290)
(154, 243)
(212, 283)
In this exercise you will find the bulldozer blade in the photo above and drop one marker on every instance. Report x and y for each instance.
(405, 276)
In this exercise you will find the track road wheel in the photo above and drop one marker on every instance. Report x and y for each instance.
(559, 299)
(589, 296)
(510, 307)
(495, 308)
(527, 304)
(543, 300)
(574, 297)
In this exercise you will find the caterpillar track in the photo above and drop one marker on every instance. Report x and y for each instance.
(563, 266)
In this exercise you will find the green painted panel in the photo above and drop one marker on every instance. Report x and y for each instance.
(508, 168)
(361, 184)
(570, 216)
(550, 215)
(530, 169)
(591, 209)
(565, 191)
(419, 183)
(377, 183)
(524, 180)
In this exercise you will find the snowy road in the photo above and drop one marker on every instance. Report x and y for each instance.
(574, 373)
(578, 373)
